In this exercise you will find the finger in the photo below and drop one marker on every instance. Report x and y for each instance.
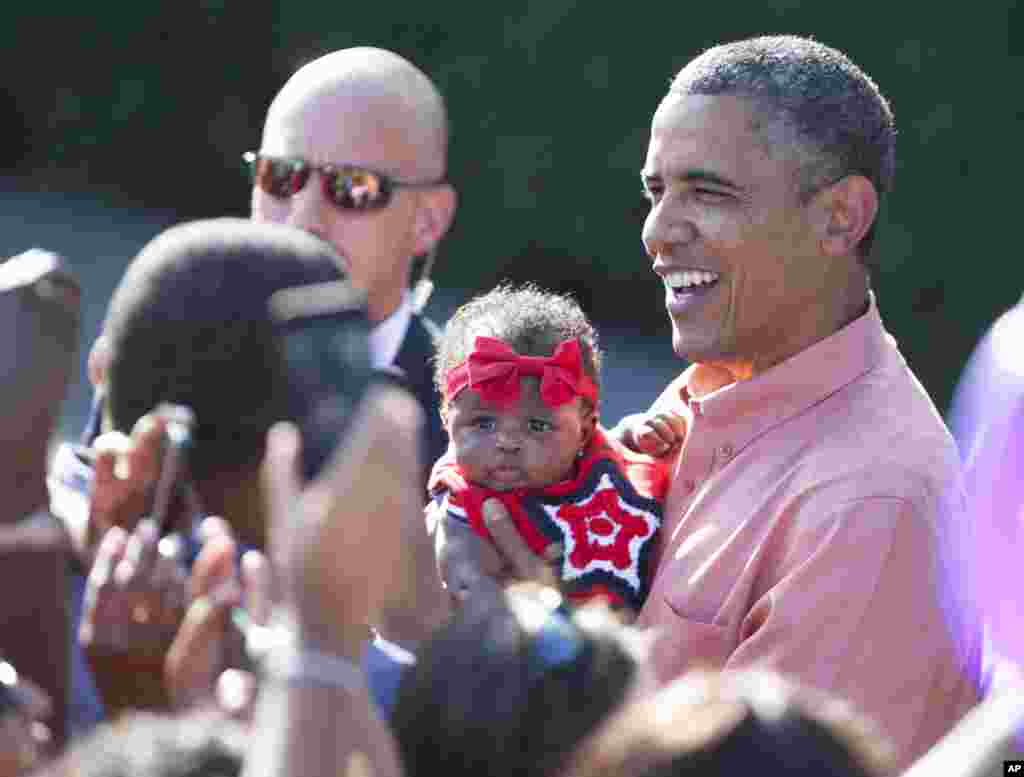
(105, 487)
(677, 424)
(236, 693)
(146, 452)
(647, 440)
(103, 467)
(524, 564)
(281, 483)
(108, 556)
(214, 564)
(258, 585)
(624, 430)
(113, 441)
(213, 526)
(170, 578)
(194, 658)
(139, 555)
(664, 430)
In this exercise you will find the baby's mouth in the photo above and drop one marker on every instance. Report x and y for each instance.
(507, 477)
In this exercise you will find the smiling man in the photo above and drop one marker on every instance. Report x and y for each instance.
(815, 478)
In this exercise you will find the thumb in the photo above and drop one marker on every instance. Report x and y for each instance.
(280, 479)
(524, 564)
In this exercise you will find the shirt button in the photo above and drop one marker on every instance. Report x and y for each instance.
(726, 451)
(689, 485)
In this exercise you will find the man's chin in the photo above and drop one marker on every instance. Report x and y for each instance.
(692, 347)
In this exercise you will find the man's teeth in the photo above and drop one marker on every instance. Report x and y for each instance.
(686, 278)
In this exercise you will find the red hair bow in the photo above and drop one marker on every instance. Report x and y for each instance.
(493, 370)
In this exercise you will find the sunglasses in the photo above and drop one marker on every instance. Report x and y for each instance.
(349, 187)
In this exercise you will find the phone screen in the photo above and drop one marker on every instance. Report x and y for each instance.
(323, 334)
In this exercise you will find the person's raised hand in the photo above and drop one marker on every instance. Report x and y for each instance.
(206, 663)
(134, 603)
(125, 471)
(341, 542)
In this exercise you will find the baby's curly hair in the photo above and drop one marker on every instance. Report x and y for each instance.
(531, 320)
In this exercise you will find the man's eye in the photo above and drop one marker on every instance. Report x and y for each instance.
(711, 195)
(651, 192)
(537, 425)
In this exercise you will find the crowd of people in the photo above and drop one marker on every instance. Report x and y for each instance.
(780, 566)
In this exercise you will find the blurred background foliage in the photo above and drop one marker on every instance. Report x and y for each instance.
(146, 108)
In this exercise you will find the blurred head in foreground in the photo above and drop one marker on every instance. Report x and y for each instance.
(510, 686)
(709, 724)
(189, 324)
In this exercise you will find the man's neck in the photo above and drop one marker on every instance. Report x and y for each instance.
(380, 306)
(818, 323)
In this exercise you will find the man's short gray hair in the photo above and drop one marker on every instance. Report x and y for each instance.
(811, 97)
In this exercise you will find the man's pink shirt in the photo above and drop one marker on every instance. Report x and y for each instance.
(807, 530)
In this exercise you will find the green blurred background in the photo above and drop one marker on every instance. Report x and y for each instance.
(122, 118)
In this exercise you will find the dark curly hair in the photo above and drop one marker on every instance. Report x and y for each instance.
(531, 320)
(812, 97)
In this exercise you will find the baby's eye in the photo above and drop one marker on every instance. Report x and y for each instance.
(540, 425)
(484, 424)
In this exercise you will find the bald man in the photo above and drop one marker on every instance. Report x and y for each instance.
(354, 150)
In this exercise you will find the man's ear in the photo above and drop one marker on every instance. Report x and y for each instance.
(850, 208)
(434, 216)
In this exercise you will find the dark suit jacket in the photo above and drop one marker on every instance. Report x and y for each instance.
(416, 359)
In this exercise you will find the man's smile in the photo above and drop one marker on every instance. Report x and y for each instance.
(684, 288)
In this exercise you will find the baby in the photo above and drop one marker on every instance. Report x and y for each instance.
(518, 372)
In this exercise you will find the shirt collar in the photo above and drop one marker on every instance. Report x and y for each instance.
(386, 337)
(752, 407)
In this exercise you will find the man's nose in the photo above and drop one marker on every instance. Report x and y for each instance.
(666, 227)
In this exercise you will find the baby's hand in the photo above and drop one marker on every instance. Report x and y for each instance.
(655, 434)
